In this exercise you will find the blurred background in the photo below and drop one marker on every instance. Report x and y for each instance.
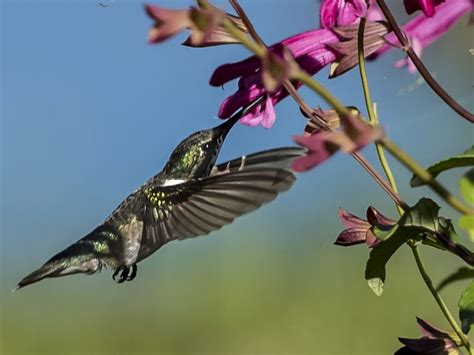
(89, 111)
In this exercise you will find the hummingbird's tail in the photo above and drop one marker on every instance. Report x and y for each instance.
(84, 256)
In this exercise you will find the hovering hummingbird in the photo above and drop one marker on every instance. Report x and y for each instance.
(190, 197)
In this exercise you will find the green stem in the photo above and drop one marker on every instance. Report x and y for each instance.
(363, 75)
(439, 300)
(373, 118)
(426, 177)
(388, 172)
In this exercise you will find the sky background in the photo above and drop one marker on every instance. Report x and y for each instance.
(89, 111)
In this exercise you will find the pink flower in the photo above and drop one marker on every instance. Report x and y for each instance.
(321, 145)
(423, 30)
(168, 22)
(427, 6)
(334, 13)
(204, 24)
(310, 52)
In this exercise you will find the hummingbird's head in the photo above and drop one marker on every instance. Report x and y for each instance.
(196, 155)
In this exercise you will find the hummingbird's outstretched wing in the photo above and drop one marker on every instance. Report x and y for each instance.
(198, 207)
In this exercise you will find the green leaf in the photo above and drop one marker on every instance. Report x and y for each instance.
(463, 159)
(466, 308)
(379, 256)
(466, 186)
(419, 219)
(446, 226)
(463, 273)
(420, 223)
(467, 223)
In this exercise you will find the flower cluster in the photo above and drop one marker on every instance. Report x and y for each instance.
(334, 42)
(274, 72)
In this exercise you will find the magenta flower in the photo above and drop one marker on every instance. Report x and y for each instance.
(309, 51)
(334, 13)
(341, 12)
(321, 145)
(359, 230)
(312, 50)
(423, 30)
(427, 6)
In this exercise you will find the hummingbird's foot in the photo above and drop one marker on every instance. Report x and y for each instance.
(133, 273)
(123, 275)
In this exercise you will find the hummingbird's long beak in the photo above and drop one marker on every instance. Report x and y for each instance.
(225, 127)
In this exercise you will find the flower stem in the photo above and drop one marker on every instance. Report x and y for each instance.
(405, 45)
(426, 177)
(373, 118)
(388, 172)
(363, 75)
(439, 300)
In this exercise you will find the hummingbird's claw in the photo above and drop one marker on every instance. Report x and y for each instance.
(125, 274)
(132, 275)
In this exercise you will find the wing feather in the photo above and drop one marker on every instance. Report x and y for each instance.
(234, 188)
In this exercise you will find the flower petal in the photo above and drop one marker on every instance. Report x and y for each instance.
(167, 22)
(352, 221)
(348, 49)
(430, 330)
(375, 218)
(350, 236)
(371, 240)
(228, 72)
(424, 30)
(427, 6)
(268, 114)
(218, 36)
(341, 12)
(318, 150)
(239, 99)
(429, 346)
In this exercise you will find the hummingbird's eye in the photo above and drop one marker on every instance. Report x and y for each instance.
(206, 146)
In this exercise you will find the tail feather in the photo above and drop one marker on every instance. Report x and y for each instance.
(84, 256)
(47, 270)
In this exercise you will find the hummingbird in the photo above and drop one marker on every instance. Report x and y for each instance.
(190, 197)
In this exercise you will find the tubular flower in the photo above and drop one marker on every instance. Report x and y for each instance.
(423, 30)
(309, 51)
